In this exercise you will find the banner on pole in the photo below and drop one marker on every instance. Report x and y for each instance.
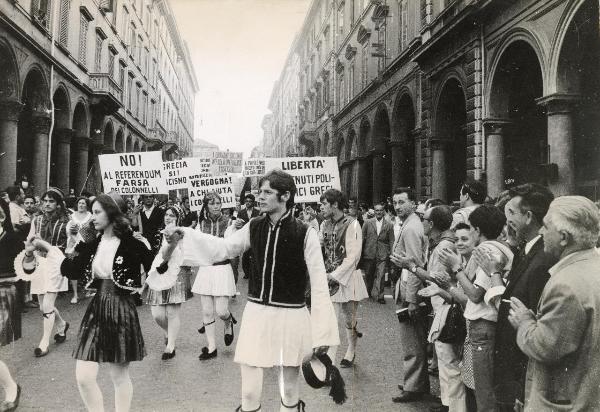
(313, 175)
(139, 173)
(227, 162)
(200, 186)
(254, 167)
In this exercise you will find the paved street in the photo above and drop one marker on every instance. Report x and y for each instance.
(187, 384)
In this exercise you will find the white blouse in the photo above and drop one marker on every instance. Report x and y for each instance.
(103, 261)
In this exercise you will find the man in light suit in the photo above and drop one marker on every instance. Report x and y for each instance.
(562, 340)
(378, 239)
(411, 243)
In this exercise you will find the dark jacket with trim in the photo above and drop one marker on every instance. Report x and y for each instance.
(131, 255)
(279, 275)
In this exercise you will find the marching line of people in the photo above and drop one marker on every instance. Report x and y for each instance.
(506, 294)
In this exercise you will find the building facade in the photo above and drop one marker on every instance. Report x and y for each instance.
(82, 78)
(426, 93)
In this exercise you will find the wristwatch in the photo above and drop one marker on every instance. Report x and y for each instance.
(457, 271)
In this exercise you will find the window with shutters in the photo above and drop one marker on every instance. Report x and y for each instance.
(140, 44)
(403, 24)
(125, 23)
(341, 91)
(132, 40)
(98, 54)
(351, 79)
(111, 63)
(40, 12)
(129, 92)
(63, 26)
(364, 75)
(137, 102)
(122, 75)
(83, 31)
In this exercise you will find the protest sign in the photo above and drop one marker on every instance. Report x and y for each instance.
(253, 167)
(177, 172)
(199, 186)
(313, 175)
(139, 173)
(227, 162)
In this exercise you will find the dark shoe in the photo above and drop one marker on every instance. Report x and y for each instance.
(167, 355)
(401, 387)
(381, 300)
(61, 337)
(407, 396)
(439, 408)
(11, 406)
(229, 336)
(202, 330)
(347, 363)
(205, 355)
(38, 353)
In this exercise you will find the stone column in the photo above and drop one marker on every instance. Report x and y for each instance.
(362, 179)
(438, 165)
(40, 125)
(560, 140)
(62, 158)
(399, 174)
(81, 153)
(377, 177)
(9, 118)
(496, 129)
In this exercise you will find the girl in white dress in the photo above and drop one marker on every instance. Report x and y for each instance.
(215, 284)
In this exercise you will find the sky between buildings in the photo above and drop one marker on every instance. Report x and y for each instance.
(238, 48)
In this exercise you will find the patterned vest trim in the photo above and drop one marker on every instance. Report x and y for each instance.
(215, 227)
(334, 242)
(279, 277)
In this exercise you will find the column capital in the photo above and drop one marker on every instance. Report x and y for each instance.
(496, 125)
(558, 103)
(10, 110)
(40, 123)
(439, 144)
(63, 135)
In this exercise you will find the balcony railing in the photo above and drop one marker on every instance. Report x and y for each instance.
(106, 91)
(171, 137)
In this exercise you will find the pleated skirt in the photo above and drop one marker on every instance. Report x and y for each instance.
(215, 280)
(110, 330)
(10, 314)
(179, 293)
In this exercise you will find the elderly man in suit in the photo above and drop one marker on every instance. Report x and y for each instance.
(524, 212)
(378, 239)
(562, 340)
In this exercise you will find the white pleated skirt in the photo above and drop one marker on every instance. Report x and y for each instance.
(51, 280)
(272, 336)
(356, 290)
(215, 281)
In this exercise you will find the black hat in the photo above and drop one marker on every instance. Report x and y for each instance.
(318, 371)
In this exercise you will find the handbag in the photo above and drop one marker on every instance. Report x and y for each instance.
(455, 327)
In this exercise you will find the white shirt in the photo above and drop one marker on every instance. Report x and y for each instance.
(148, 212)
(530, 244)
(16, 213)
(378, 225)
(103, 261)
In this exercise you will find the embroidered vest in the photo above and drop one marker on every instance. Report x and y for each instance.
(279, 277)
(334, 241)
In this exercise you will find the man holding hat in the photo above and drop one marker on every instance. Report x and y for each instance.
(277, 330)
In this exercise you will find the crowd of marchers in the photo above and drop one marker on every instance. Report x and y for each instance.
(497, 298)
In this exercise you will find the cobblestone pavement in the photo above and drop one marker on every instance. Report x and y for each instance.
(186, 384)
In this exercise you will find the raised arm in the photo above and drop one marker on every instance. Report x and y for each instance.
(201, 249)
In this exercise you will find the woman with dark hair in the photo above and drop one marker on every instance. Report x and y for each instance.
(110, 330)
(215, 284)
(10, 312)
(51, 227)
(168, 286)
(79, 228)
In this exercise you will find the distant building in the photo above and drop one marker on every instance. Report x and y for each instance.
(202, 148)
(425, 93)
(117, 74)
